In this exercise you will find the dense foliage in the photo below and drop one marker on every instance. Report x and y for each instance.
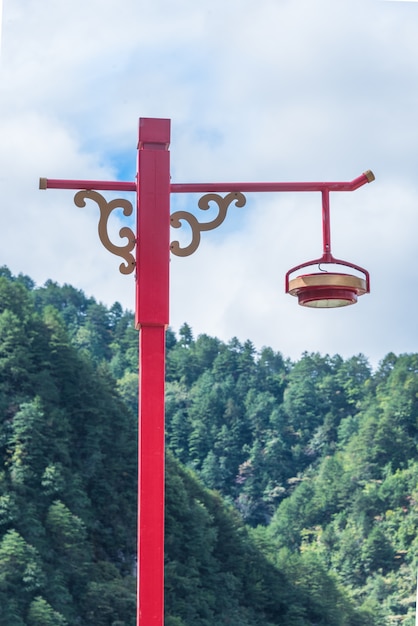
(322, 453)
(67, 473)
(309, 511)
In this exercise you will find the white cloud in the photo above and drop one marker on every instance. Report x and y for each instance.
(275, 90)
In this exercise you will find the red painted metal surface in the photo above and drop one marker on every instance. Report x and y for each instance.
(367, 177)
(150, 604)
(313, 295)
(153, 225)
(56, 183)
(326, 226)
(152, 304)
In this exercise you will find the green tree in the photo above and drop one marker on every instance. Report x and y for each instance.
(29, 444)
(42, 614)
(20, 567)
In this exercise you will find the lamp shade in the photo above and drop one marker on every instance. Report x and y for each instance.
(326, 290)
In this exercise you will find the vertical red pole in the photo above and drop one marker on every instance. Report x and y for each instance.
(326, 226)
(152, 301)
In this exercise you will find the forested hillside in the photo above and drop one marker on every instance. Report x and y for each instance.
(320, 454)
(307, 507)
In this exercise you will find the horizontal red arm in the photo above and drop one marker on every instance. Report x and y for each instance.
(367, 177)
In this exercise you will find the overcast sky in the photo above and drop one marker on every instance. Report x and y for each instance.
(274, 90)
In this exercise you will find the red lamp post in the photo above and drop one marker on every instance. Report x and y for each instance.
(152, 241)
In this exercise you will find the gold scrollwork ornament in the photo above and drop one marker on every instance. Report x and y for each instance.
(198, 227)
(106, 209)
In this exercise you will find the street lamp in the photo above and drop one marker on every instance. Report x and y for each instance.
(153, 189)
(330, 289)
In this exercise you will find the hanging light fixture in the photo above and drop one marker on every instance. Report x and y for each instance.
(323, 289)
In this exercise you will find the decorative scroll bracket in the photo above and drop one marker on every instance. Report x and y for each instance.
(196, 226)
(105, 210)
